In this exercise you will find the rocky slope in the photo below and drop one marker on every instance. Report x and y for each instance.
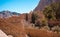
(44, 3)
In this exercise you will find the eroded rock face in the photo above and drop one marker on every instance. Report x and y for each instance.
(44, 3)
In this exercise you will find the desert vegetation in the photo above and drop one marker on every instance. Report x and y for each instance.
(45, 23)
(11, 28)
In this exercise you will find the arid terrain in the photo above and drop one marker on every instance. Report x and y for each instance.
(43, 21)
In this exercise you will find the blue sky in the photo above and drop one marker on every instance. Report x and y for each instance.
(20, 6)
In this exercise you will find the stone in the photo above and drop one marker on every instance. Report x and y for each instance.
(2, 34)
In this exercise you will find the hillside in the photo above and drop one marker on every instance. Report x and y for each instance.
(43, 3)
(12, 26)
(42, 22)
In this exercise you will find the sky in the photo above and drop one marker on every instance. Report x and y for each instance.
(20, 6)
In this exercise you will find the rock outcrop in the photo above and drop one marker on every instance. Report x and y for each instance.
(44, 3)
(2, 34)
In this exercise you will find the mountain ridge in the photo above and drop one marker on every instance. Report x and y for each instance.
(43, 3)
(6, 14)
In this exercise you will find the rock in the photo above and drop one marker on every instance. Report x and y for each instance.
(2, 34)
(10, 36)
(44, 3)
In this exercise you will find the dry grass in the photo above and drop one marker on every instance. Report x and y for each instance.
(12, 29)
(41, 33)
(14, 26)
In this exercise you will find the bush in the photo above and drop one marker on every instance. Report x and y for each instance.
(34, 17)
(52, 11)
(56, 28)
(45, 28)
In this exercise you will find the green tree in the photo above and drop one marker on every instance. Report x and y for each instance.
(52, 11)
(34, 17)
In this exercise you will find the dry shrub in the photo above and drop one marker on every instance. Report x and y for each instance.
(56, 29)
(14, 26)
(41, 33)
(45, 28)
(15, 29)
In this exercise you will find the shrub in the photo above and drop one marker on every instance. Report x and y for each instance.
(56, 28)
(52, 11)
(45, 28)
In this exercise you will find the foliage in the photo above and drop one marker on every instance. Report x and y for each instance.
(26, 16)
(45, 28)
(52, 11)
(34, 17)
(44, 22)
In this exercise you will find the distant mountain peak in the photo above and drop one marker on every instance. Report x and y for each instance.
(6, 14)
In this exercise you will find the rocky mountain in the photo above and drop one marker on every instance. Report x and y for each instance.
(44, 3)
(5, 14)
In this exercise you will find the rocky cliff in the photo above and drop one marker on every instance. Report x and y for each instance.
(44, 3)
